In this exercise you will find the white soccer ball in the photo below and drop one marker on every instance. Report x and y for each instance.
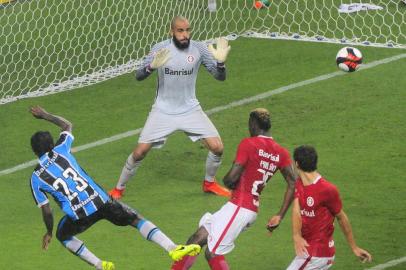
(349, 59)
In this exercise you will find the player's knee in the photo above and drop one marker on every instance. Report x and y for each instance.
(217, 149)
(61, 236)
(139, 154)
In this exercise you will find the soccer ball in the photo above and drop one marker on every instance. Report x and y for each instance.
(349, 59)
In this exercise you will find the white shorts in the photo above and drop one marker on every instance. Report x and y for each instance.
(311, 263)
(159, 126)
(225, 225)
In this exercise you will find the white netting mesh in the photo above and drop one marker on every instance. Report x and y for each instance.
(48, 46)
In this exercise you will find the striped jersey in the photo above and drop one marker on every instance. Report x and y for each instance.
(177, 78)
(59, 175)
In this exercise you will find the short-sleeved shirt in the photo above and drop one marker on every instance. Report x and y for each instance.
(59, 175)
(319, 204)
(176, 91)
(261, 157)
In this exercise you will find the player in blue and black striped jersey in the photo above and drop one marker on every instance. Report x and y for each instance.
(81, 198)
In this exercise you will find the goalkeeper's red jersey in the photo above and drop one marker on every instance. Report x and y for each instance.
(319, 204)
(261, 157)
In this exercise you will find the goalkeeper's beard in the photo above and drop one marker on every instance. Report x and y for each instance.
(180, 45)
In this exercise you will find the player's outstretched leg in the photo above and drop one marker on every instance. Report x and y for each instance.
(152, 233)
(78, 248)
(65, 234)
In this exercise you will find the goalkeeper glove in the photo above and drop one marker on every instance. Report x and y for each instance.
(160, 58)
(222, 50)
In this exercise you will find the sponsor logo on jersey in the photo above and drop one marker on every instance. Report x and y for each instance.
(310, 201)
(44, 167)
(331, 243)
(190, 59)
(83, 203)
(181, 72)
(271, 156)
(307, 213)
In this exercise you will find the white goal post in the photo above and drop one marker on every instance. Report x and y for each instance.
(49, 46)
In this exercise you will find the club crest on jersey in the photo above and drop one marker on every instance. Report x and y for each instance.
(190, 59)
(310, 201)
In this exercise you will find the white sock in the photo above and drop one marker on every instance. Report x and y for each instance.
(212, 164)
(152, 233)
(129, 169)
(78, 248)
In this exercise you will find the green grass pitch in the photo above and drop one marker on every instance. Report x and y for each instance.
(356, 122)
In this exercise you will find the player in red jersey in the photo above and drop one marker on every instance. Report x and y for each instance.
(317, 203)
(258, 159)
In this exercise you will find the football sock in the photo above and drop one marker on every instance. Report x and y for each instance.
(184, 264)
(129, 169)
(151, 232)
(212, 164)
(218, 263)
(78, 248)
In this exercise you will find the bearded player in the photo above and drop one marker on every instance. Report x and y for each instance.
(177, 61)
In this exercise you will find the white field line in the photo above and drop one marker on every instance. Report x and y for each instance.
(218, 109)
(388, 264)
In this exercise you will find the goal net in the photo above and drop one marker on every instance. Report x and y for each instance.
(49, 46)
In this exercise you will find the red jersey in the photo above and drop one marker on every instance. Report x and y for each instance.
(319, 204)
(261, 157)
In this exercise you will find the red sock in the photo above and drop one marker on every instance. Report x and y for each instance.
(184, 264)
(218, 263)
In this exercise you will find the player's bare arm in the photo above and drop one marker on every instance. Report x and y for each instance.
(49, 224)
(40, 113)
(299, 242)
(233, 176)
(290, 176)
(345, 226)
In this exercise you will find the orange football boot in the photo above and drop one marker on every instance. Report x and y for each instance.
(215, 188)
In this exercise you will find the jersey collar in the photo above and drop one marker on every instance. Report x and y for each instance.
(316, 180)
(263, 136)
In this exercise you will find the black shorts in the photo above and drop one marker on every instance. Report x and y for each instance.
(114, 211)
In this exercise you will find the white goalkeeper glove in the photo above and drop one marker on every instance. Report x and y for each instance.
(222, 50)
(161, 57)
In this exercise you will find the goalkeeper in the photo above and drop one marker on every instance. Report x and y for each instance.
(177, 61)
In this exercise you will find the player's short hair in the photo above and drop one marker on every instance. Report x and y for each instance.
(42, 142)
(306, 158)
(177, 18)
(262, 117)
